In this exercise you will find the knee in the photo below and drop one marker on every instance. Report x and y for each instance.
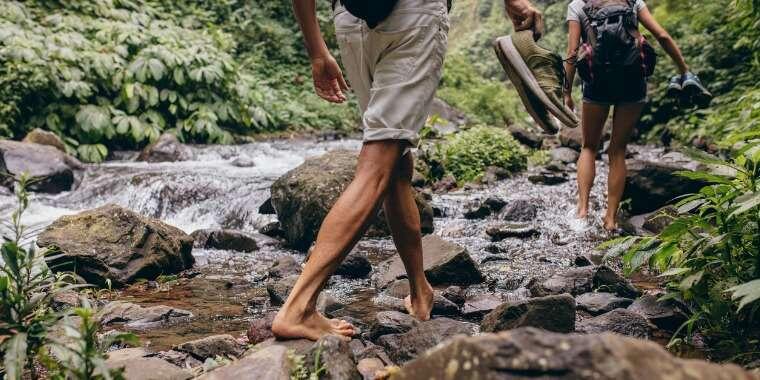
(616, 152)
(374, 176)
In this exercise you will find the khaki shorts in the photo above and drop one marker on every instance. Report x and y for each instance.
(394, 69)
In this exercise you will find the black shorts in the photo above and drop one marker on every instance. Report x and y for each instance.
(625, 86)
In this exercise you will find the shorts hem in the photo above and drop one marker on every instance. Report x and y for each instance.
(380, 134)
(620, 103)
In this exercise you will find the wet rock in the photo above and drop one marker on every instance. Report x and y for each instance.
(547, 178)
(445, 184)
(526, 137)
(370, 368)
(581, 280)
(280, 289)
(582, 261)
(136, 366)
(243, 162)
(564, 155)
(601, 302)
(180, 359)
(493, 174)
(520, 210)
(166, 149)
(552, 313)
(364, 349)
(328, 305)
(356, 265)
(441, 305)
(667, 315)
(267, 208)
(229, 240)
(478, 305)
(428, 334)
(511, 230)
(223, 345)
(139, 317)
(304, 195)
(261, 329)
(619, 321)
(42, 137)
(654, 184)
(533, 353)
(391, 322)
(111, 242)
(337, 358)
(445, 263)
(65, 300)
(272, 230)
(660, 219)
(296, 346)
(489, 206)
(272, 362)
(398, 288)
(285, 266)
(51, 170)
(571, 138)
(454, 294)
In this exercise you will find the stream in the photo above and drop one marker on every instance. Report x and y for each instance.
(213, 191)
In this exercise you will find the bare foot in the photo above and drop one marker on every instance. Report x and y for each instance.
(610, 224)
(421, 304)
(288, 325)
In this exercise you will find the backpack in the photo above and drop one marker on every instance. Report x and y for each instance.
(373, 12)
(613, 41)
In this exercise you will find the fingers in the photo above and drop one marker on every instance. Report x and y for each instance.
(330, 91)
(342, 82)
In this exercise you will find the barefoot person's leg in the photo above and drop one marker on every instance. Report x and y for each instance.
(342, 228)
(624, 121)
(404, 221)
(592, 125)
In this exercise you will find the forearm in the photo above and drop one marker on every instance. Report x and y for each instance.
(671, 48)
(569, 76)
(306, 15)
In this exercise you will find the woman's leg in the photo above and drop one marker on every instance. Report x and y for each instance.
(594, 117)
(624, 120)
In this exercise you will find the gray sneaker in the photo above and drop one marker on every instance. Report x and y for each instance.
(538, 76)
(693, 88)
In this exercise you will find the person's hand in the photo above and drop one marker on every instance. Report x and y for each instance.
(328, 79)
(569, 101)
(525, 17)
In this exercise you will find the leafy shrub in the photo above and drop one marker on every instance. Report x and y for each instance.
(467, 154)
(709, 256)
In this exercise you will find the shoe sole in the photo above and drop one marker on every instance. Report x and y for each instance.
(674, 92)
(513, 63)
(697, 95)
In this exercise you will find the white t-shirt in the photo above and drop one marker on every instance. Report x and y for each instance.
(575, 9)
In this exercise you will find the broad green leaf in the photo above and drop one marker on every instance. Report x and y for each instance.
(674, 272)
(746, 293)
(746, 202)
(15, 356)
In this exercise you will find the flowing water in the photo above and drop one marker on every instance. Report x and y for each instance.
(213, 191)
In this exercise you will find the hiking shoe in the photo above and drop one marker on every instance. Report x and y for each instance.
(675, 87)
(538, 76)
(693, 88)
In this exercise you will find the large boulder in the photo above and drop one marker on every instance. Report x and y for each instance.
(166, 149)
(619, 321)
(139, 317)
(537, 354)
(117, 244)
(552, 313)
(42, 137)
(585, 279)
(424, 336)
(51, 170)
(444, 263)
(651, 184)
(271, 362)
(303, 196)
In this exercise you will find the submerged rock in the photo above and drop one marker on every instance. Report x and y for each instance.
(223, 345)
(139, 317)
(166, 149)
(428, 334)
(304, 195)
(619, 321)
(50, 170)
(601, 302)
(653, 184)
(117, 244)
(534, 353)
(42, 137)
(230, 240)
(585, 279)
(445, 263)
(552, 313)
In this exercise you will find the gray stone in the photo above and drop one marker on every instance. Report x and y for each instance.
(520, 210)
(511, 230)
(601, 302)
(356, 265)
(445, 263)
(537, 354)
(564, 155)
(547, 178)
(426, 335)
(260, 329)
(271, 362)
(223, 345)
(139, 317)
(166, 149)
(279, 290)
(42, 137)
(478, 305)
(304, 195)
(229, 240)
(454, 294)
(571, 138)
(530, 138)
(147, 368)
(581, 280)
(50, 170)
(620, 321)
(284, 266)
(441, 305)
(391, 322)
(370, 368)
(337, 358)
(660, 219)
(552, 313)
(668, 315)
(116, 244)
